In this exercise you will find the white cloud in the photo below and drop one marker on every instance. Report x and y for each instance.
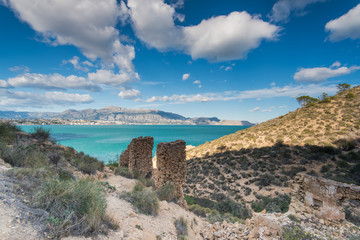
(23, 69)
(185, 76)
(86, 24)
(228, 37)
(228, 68)
(153, 22)
(4, 84)
(129, 93)
(287, 91)
(346, 26)
(282, 9)
(52, 81)
(75, 61)
(26, 99)
(255, 109)
(216, 39)
(320, 74)
(198, 82)
(108, 77)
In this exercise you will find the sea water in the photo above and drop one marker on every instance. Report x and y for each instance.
(107, 142)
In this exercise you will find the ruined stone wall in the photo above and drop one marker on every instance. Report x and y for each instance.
(124, 158)
(322, 197)
(138, 156)
(171, 165)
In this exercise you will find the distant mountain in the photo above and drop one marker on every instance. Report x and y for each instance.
(121, 115)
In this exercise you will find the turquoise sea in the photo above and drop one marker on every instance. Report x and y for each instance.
(108, 142)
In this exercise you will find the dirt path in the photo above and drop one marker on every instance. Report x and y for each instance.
(15, 216)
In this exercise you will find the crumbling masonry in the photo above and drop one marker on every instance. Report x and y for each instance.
(138, 156)
(171, 165)
(322, 197)
(171, 162)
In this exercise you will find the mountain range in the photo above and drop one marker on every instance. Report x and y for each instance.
(121, 115)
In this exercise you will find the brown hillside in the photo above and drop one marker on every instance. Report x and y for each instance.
(321, 139)
(320, 124)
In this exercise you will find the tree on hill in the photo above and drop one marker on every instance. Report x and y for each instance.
(343, 87)
(305, 100)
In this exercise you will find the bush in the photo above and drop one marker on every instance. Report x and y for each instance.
(124, 171)
(8, 131)
(77, 206)
(144, 199)
(21, 156)
(167, 193)
(181, 228)
(295, 232)
(41, 134)
(198, 210)
(86, 164)
(350, 95)
(276, 204)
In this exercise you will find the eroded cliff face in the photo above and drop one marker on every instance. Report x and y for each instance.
(322, 197)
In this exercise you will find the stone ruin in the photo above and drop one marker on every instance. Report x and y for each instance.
(171, 165)
(138, 156)
(322, 197)
(171, 162)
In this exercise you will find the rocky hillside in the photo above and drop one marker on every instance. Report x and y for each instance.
(321, 124)
(120, 115)
(321, 139)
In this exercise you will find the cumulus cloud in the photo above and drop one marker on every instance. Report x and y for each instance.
(4, 84)
(287, 91)
(219, 38)
(153, 22)
(185, 76)
(26, 99)
(86, 24)
(129, 93)
(228, 37)
(346, 26)
(108, 77)
(282, 9)
(320, 74)
(52, 81)
(75, 61)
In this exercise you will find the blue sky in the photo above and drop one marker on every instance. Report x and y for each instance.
(236, 60)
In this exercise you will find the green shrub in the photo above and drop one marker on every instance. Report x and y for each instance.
(144, 199)
(124, 171)
(77, 206)
(293, 218)
(181, 226)
(350, 95)
(8, 131)
(272, 204)
(295, 232)
(113, 165)
(21, 156)
(86, 163)
(198, 210)
(31, 178)
(167, 193)
(41, 134)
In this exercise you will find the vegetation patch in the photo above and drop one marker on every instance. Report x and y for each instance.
(279, 203)
(181, 226)
(218, 210)
(143, 199)
(74, 206)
